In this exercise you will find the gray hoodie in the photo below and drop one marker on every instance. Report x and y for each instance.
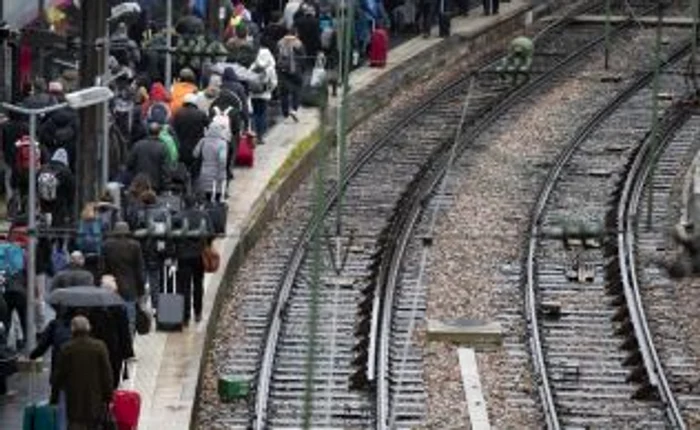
(212, 149)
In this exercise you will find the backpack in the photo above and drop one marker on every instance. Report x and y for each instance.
(89, 239)
(11, 258)
(47, 185)
(59, 258)
(286, 61)
(168, 140)
(157, 220)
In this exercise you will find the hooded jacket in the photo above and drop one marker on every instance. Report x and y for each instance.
(60, 129)
(158, 94)
(180, 90)
(232, 94)
(212, 150)
(265, 66)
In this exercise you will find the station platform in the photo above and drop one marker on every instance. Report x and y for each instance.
(167, 365)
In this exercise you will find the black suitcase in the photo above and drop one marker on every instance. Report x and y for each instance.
(217, 210)
(171, 305)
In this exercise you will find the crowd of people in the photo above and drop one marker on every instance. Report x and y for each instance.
(172, 153)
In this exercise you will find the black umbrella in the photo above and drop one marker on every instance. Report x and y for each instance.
(84, 297)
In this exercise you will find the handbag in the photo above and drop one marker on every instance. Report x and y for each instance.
(143, 320)
(318, 74)
(211, 260)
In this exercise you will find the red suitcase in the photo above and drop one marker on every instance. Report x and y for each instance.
(378, 47)
(126, 408)
(245, 154)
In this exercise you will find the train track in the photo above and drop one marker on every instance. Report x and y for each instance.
(576, 333)
(643, 233)
(283, 391)
(414, 147)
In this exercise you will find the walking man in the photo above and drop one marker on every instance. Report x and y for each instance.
(84, 374)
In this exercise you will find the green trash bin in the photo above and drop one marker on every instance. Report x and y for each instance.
(233, 387)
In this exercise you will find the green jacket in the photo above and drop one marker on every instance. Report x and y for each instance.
(166, 136)
(523, 46)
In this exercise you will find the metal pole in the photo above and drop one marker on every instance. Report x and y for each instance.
(105, 111)
(655, 111)
(30, 335)
(607, 33)
(693, 57)
(169, 45)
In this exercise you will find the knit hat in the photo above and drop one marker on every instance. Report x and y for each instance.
(77, 258)
(121, 229)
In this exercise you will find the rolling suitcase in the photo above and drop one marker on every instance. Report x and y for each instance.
(378, 47)
(171, 305)
(217, 210)
(40, 416)
(245, 152)
(126, 405)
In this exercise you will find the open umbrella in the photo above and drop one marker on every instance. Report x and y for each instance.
(84, 297)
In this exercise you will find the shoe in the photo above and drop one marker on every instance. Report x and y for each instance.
(260, 142)
(198, 318)
(293, 115)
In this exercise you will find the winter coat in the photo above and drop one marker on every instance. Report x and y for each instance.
(232, 94)
(60, 129)
(265, 66)
(189, 124)
(291, 43)
(180, 90)
(84, 373)
(212, 149)
(123, 259)
(62, 206)
(272, 34)
(72, 276)
(54, 336)
(158, 94)
(149, 156)
(192, 248)
(111, 326)
(309, 31)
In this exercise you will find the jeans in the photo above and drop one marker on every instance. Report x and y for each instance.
(61, 412)
(190, 283)
(259, 117)
(289, 93)
(131, 315)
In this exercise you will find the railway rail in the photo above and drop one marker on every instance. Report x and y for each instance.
(280, 387)
(412, 154)
(576, 333)
(654, 170)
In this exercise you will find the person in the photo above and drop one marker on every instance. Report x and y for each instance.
(75, 275)
(56, 334)
(89, 240)
(154, 249)
(273, 32)
(517, 63)
(490, 7)
(426, 9)
(150, 157)
(240, 47)
(290, 52)
(232, 95)
(309, 31)
(125, 50)
(15, 298)
(38, 97)
(186, 85)
(132, 202)
(84, 374)
(56, 189)
(190, 280)
(157, 108)
(211, 150)
(189, 124)
(60, 129)
(206, 97)
(123, 259)
(264, 66)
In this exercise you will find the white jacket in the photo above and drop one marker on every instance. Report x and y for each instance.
(265, 65)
